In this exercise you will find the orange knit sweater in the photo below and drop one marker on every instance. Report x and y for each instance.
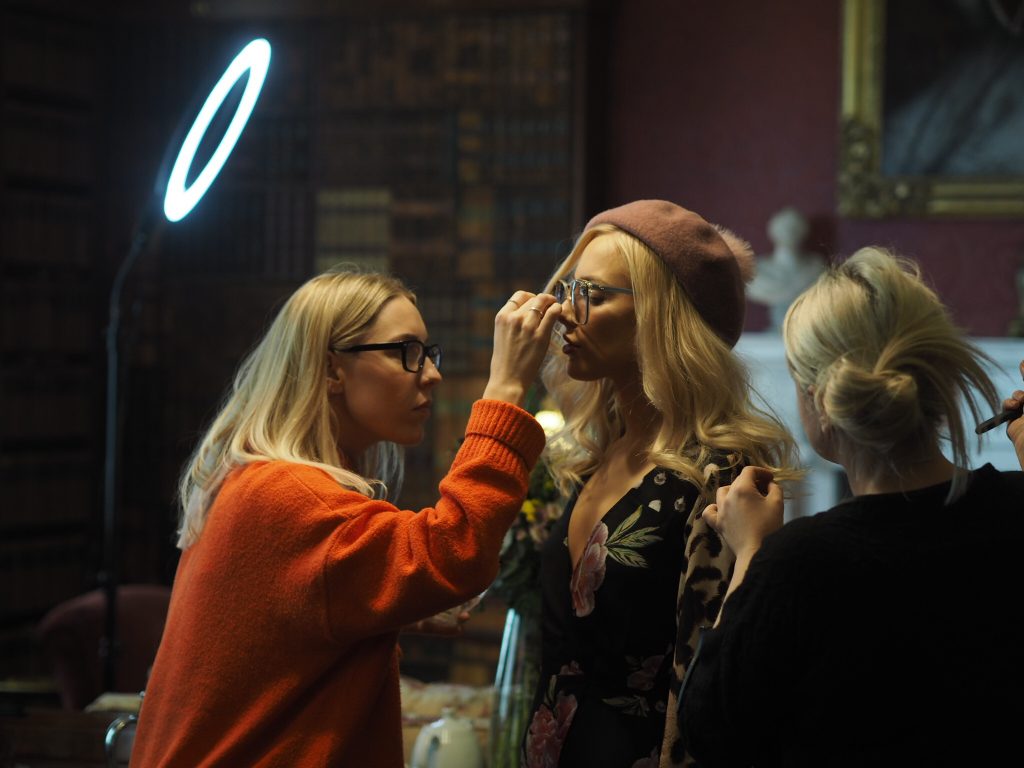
(280, 646)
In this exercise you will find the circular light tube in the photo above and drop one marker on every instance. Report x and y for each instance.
(179, 199)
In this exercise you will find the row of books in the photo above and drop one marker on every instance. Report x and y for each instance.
(37, 574)
(509, 127)
(50, 57)
(47, 317)
(46, 231)
(42, 488)
(49, 144)
(446, 59)
(366, 149)
(210, 323)
(47, 402)
(243, 229)
(273, 148)
(52, 318)
(476, 235)
(434, 148)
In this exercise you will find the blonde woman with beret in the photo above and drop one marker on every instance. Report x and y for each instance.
(882, 631)
(658, 412)
(298, 570)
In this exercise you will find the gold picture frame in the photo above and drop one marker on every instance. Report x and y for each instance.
(864, 189)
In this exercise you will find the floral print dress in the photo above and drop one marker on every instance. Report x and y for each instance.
(609, 630)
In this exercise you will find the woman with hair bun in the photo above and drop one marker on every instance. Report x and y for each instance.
(877, 632)
(657, 412)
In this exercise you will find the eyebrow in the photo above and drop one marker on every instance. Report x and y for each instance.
(410, 337)
(596, 283)
(396, 339)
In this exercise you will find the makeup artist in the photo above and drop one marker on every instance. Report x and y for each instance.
(298, 570)
(883, 631)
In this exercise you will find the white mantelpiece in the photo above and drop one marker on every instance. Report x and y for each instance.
(825, 483)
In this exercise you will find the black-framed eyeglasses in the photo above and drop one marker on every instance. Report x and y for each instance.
(414, 352)
(578, 290)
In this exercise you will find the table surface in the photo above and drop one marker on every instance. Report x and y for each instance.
(51, 738)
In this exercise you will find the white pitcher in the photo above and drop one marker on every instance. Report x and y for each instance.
(449, 742)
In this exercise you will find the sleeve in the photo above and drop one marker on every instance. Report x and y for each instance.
(735, 690)
(386, 568)
(707, 568)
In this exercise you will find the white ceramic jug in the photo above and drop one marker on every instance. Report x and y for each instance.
(447, 743)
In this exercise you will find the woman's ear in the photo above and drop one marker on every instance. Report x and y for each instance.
(335, 376)
(823, 423)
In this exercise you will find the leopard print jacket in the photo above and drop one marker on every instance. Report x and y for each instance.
(702, 586)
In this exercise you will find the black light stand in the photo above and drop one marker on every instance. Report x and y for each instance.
(182, 149)
(108, 577)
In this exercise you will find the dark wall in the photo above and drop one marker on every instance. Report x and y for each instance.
(732, 108)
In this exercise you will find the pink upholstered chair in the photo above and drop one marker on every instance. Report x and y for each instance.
(71, 634)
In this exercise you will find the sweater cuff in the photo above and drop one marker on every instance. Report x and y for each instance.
(509, 424)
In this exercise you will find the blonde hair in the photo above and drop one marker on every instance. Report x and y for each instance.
(887, 364)
(278, 409)
(689, 374)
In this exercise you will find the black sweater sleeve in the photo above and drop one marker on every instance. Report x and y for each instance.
(737, 694)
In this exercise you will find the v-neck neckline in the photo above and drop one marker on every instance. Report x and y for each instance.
(590, 535)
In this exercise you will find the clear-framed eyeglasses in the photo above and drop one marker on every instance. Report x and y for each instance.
(578, 291)
(414, 352)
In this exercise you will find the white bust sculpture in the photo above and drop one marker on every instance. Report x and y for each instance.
(788, 271)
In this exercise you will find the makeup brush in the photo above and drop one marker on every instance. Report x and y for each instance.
(999, 418)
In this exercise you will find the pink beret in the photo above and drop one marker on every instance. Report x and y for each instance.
(710, 264)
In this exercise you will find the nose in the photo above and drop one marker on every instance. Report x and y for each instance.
(568, 316)
(431, 374)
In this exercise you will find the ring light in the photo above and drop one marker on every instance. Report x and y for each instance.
(179, 199)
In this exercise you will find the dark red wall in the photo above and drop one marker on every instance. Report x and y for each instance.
(731, 108)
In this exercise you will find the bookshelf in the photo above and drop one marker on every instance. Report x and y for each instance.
(448, 153)
(51, 375)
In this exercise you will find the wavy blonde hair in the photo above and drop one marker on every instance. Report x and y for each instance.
(278, 409)
(694, 380)
(888, 366)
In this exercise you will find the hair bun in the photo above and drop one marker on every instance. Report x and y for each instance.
(901, 386)
(915, 372)
(874, 407)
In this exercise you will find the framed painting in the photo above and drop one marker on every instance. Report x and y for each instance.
(932, 108)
